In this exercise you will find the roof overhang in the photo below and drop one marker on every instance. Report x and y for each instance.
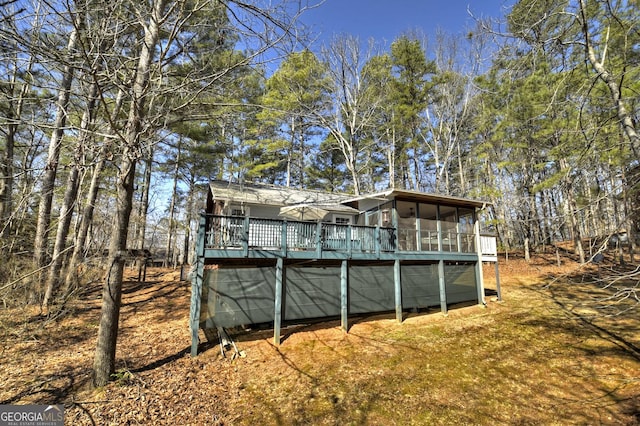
(407, 195)
(272, 195)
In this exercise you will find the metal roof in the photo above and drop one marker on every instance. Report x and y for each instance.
(403, 194)
(264, 194)
(273, 195)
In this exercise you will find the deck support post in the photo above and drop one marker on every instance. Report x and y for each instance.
(498, 281)
(443, 287)
(479, 278)
(196, 286)
(344, 295)
(277, 317)
(398, 289)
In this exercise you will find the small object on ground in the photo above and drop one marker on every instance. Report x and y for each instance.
(226, 343)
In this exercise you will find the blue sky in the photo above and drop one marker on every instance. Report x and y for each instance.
(385, 20)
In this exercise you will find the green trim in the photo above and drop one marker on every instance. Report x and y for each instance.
(443, 287)
(277, 317)
(196, 287)
(344, 295)
(397, 289)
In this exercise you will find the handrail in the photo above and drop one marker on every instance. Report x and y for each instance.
(247, 233)
(234, 232)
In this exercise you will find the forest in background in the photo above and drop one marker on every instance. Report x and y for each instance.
(107, 106)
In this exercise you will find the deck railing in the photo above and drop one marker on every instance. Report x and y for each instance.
(233, 232)
(488, 245)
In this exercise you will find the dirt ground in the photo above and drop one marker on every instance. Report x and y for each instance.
(557, 350)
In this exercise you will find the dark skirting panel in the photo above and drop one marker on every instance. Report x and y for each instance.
(243, 294)
(238, 295)
(460, 282)
(311, 292)
(420, 288)
(371, 288)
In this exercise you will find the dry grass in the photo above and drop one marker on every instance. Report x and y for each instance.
(548, 354)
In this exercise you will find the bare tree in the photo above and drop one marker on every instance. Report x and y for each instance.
(70, 197)
(17, 63)
(167, 18)
(86, 218)
(446, 128)
(16, 93)
(351, 113)
(171, 226)
(104, 362)
(53, 156)
(598, 61)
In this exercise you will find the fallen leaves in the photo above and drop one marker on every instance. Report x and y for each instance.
(525, 360)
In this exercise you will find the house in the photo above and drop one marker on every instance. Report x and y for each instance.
(269, 254)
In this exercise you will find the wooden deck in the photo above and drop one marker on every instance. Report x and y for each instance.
(228, 237)
(403, 268)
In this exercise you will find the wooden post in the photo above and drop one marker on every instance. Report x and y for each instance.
(443, 288)
(319, 240)
(344, 294)
(277, 317)
(394, 221)
(283, 238)
(196, 286)
(439, 230)
(418, 231)
(479, 275)
(398, 289)
(498, 282)
(245, 236)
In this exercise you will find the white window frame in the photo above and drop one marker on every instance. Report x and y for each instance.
(349, 219)
(235, 208)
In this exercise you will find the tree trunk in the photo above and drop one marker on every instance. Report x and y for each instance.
(85, 222)
(87, 214)
(6, 181)
(66, 211)
(14, 114)
(626, 120)
(575, 226)
(51, 167)
(70, 200)
(630, 200)
(189, 218)
(391, 157)
(143, 208)
(572, 210)
(172, 207)
(105, 356)
(104, 361)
